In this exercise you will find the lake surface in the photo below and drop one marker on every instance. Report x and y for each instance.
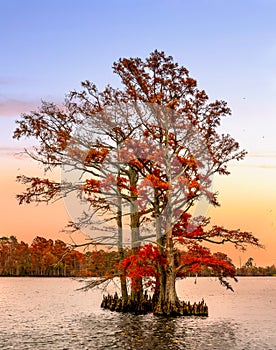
(49, 313)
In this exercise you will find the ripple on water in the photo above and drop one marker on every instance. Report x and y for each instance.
(51, 314)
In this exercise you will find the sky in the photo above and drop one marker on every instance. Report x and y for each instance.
(229, 47)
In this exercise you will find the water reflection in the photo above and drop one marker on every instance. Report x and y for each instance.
(50, 314)
(122, 331)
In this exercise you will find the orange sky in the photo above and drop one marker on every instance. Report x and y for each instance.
(247, 197)
(248, 202)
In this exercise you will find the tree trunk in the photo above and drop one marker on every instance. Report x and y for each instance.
(171, 303)
(124, 291)
(168, 302)
(120, 248)
(159, 295)
(136, 284)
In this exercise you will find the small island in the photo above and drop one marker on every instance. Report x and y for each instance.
(54, 258)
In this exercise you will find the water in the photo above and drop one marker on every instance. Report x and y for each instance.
(49, 313)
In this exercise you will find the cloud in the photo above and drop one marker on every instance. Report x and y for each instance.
(13, 107)
(261, 166)
(266, 166)
(12, 152)
(257, 160)
(9, 81)
(267, 155)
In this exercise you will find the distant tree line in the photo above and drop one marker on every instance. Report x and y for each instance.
(45, 257)
(250, 269)
(242, 271)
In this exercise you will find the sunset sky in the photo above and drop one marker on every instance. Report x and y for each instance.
(49, 47)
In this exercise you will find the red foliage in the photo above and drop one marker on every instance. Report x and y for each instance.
(198, 257)
(143, 263)
(187, 230)
(92, 185)
(96, 156)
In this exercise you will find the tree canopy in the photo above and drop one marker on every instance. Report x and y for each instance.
(142, 157)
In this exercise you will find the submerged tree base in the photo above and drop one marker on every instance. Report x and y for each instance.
(148, 305)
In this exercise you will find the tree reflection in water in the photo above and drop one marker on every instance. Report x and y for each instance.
(127, 331)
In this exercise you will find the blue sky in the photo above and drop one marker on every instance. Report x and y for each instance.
(49, 47)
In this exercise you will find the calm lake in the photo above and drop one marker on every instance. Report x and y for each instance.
(49, 313)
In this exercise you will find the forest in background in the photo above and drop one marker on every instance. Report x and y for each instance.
(52, 258)
(55, 258)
